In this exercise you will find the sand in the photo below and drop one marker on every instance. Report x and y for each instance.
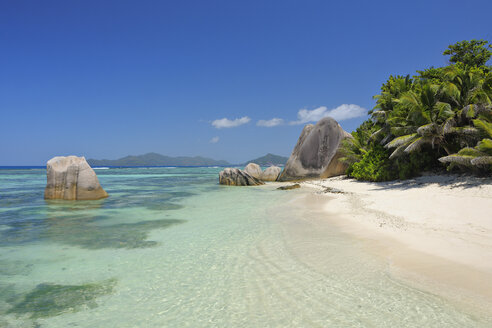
(433, 231)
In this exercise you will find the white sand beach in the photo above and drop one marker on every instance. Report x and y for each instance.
(433, 231)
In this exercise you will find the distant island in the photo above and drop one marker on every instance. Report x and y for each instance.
(269, 159)
(154, 159)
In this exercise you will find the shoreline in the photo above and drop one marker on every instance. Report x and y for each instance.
(434, 232)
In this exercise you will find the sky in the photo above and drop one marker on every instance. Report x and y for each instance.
(230, 80)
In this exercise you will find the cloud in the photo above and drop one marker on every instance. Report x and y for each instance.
(227, 123)
(342, 112)
(214, 140)
(270, 123)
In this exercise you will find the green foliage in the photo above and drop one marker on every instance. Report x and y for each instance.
(441, 115)
(415, 163)
(431, 74)
(470, 53)
(485, 126)
(374, 166)
(478, 158)
(354, 149)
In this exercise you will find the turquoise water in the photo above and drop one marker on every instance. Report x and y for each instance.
(172, 248)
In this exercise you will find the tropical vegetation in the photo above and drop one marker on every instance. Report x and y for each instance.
(439, 119)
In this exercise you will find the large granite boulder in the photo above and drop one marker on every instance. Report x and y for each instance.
(71, 178)
(317, 152)
(253, 169)
(270, 174)
(237, 177)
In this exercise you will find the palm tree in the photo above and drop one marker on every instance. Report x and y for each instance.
(467, 85)
(353, 149)
(481, 155)
(385, 105)
(424, 122)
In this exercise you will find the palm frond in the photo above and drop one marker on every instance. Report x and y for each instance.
(469, 111)
(449, 125)
(410, 99)
(482, 160)
(386, 139)
(398, 152)
(377, 133)
(434, 88)
(485, 146)
(378, 113)
(451, 90)
(465, 130)
(401, 141)
(427, 129)
(484, 126)
(468, 151)
(457, 159)
(444, 110)
(418, 143)
(485, 111)
(402, 130)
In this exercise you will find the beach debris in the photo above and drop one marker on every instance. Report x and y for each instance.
(317, 152)
(237, 177)
(71, 178)
(289, 187)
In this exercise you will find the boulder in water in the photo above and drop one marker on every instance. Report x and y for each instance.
(237, 177)
(253, 169)
(270, 174)
(71, 178)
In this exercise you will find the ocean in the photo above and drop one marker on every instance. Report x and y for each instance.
(172, 248)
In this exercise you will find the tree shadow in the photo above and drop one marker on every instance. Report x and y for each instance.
(450, 181)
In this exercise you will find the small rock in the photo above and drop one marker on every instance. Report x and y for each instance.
(333, 190)
(289, 187)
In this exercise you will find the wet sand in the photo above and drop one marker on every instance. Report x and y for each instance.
(433, 232)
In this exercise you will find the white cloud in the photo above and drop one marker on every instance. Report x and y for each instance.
(214, 140)
(342, 112)
(270, 123)
(227, 123)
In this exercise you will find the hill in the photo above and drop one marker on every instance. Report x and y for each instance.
(154, 159)
(269, 159)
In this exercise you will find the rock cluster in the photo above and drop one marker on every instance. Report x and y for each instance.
(237, 177)
(270, 174)
(317, 152)
(252, 175)
(253, 169)
(71, 178)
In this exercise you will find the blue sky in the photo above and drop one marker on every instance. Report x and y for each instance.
(105, 79)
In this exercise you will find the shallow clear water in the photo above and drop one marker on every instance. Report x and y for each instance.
(172, 248)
